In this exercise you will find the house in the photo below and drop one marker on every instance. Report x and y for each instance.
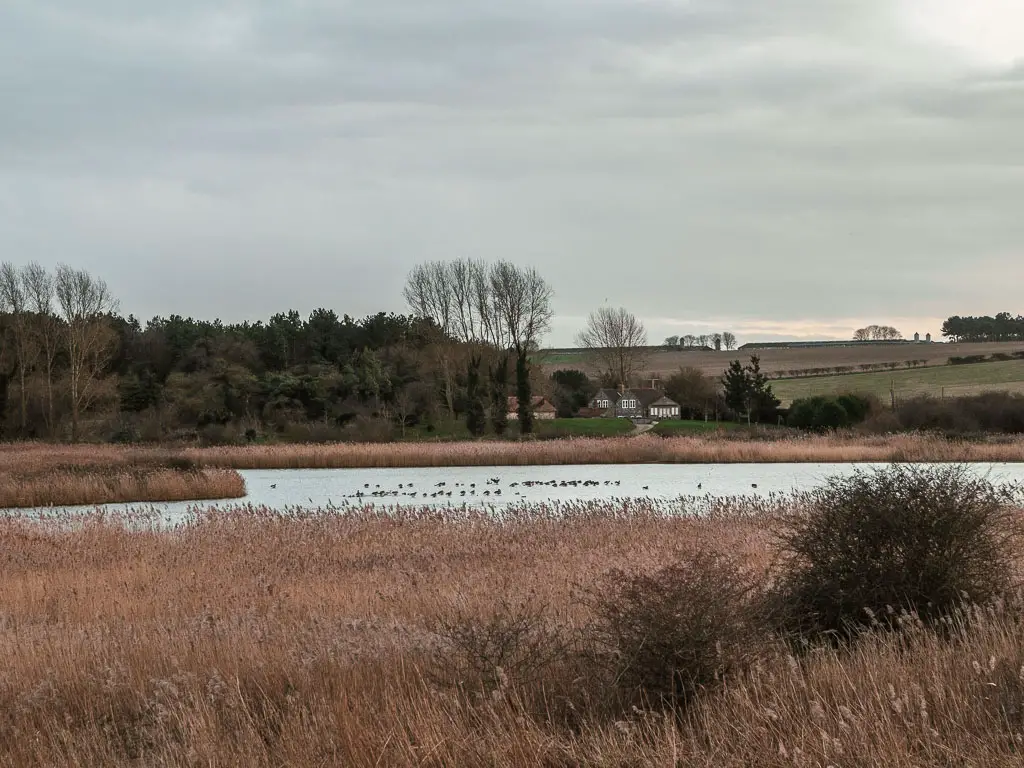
(542, 409)
(643, 403)
(604, 399)
(663, 408)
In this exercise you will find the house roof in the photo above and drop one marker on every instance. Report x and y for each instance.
(606, 394)
(538, 403)
(664, 401)
(644, 396)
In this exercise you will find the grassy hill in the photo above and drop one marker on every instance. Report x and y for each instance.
(662, 363)
(951, 380)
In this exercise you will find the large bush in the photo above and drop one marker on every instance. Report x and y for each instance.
(823, 412)
(987, 412)
(661, 638)
(920, 539)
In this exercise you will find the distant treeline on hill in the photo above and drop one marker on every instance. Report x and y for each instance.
(1002, 327)
(837, 343)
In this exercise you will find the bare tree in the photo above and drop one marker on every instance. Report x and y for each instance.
(502, 307)
(729, 340)
(521, 299)
(85, 302)
(14, 301)
(38, 286)
(617, 340)
(716, 341)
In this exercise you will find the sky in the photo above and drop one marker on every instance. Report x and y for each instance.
(785, 169)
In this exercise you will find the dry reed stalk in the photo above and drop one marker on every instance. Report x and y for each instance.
(261, 638)
(622, 450)
(99, 485)
(903, 448)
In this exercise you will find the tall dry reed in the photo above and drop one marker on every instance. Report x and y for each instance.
(622, 450)
(262, 638)
(627, 450)
(35, 474)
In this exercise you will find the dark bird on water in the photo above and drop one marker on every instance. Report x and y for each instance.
(699, 486)
(273, 485)
(753, 485)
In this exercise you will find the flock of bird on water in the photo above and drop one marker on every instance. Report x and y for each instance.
(442, 490)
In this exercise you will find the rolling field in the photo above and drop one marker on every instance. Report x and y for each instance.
(948, 380)
(662, 363)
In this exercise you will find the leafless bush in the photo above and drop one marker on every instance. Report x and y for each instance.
(512, 645)
(664, 637)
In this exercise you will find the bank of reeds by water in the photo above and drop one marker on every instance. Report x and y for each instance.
(263, 638)
(627, 450)
(36, 474)
(624, 450)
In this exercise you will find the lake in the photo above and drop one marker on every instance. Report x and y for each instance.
(495, 487)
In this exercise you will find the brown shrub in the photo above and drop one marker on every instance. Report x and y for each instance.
(872, 547)
(662, 638)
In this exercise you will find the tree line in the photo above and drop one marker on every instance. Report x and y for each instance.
(71, 367)
(877, 333)
(716, 341)
(1002, 327)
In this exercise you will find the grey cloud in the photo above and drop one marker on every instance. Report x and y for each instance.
(783, 161)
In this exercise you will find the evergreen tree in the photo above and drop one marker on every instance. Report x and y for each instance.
(499, 395)
(737, 387)
(763, 402)
(523, 394)
(476, 415)
(747, 391)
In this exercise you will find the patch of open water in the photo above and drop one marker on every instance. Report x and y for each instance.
(496, 487)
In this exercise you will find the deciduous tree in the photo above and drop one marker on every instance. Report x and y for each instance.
(616, 340)
(84, 301)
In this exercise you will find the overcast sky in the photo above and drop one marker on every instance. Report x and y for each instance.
(792, 168)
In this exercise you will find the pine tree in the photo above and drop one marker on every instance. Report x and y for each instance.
(499, 396)
(763, 402)
(737, 387)
(476, 414)
(523, 394)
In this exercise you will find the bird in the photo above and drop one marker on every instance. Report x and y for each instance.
(645, 487)
(273, 485)
(699, 486)
(753, 485)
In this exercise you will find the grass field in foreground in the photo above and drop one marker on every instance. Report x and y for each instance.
(953, 380)
(262, 639)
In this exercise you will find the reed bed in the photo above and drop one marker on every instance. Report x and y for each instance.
(36, 475)
(724, 449)
(628, 450)
(306, 637)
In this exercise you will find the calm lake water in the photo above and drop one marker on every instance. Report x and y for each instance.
(487, 487)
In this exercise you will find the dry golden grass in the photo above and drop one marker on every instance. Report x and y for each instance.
(628, 450)
(261, 639)
(43, 475)
(721, 448)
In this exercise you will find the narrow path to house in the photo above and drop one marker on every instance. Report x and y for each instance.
(639, 429)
